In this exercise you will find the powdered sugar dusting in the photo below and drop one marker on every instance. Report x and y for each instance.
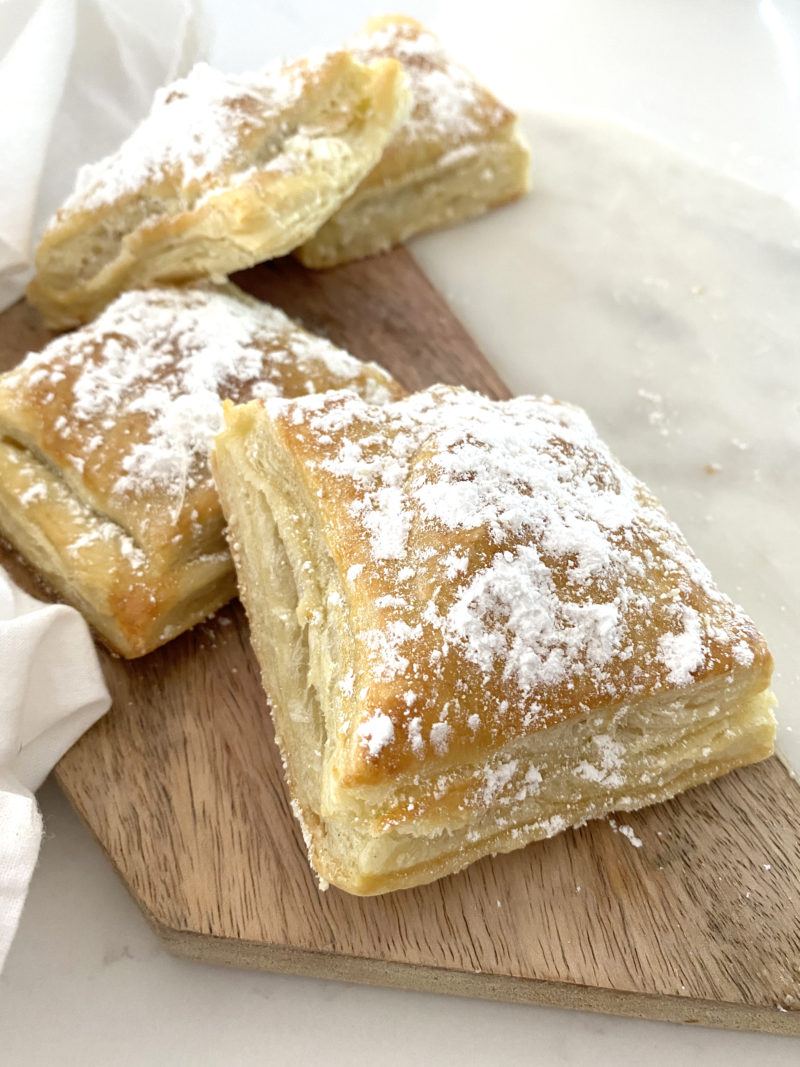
(144, 383)
(514, 554)
(376, 733)
(196, 130)
(627, 831)
(683, 652)
(510, 611)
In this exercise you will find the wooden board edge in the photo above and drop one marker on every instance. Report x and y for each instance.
(281, 959)
(333, 966)
(786, 763)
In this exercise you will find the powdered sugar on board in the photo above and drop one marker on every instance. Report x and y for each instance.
(502, 544)
(627, 831)
(139, 391)
(448, 106)
(198, 129)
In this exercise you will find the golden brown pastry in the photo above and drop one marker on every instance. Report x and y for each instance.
(457, 155)
(104, 478)
(223, 173)
(476, 628)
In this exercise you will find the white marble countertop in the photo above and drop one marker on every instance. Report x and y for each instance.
(679, 340)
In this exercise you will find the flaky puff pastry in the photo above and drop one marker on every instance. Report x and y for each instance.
(458, 154)
(476, 628)
(223, 173)
(104, 478)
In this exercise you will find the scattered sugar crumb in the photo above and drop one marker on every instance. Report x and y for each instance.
(683, 652)
(626, 831)
(35, 493)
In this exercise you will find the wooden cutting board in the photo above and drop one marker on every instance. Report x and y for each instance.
(181, 784)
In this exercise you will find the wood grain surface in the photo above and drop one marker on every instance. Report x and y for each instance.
(181, 784)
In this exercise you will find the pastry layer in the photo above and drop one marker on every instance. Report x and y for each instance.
(475, 628)
(223, 173)
(104, 449)
(134, 602)
(456, 155)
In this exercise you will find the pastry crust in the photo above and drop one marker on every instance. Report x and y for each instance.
(476, 628)
(104, 478)
(458, 154)
(224, 172)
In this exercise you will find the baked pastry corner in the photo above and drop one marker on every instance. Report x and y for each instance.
(475, 627)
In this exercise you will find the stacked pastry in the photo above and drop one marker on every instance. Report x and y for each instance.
(223, 172)
(335, 156)
(475, 627)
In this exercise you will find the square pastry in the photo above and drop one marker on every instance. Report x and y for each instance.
(224, 172)
(476, 628)
(458, 153)
(104, 479)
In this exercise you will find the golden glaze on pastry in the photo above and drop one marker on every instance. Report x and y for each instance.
(476, 628)
(457, 155)
(104, 478)
(223, 173)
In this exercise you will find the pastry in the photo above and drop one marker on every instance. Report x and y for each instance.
(104, 478)
(457, 155)
(475, 627)
(223, 173)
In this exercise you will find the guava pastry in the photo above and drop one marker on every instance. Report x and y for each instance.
(476, 628)
(104, 479)
(223, 173)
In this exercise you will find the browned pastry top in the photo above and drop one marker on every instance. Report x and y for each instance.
(503, 572)
(125, 407)
(208, 127)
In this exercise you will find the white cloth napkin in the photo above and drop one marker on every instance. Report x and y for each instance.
(75, 78)
(51, 691)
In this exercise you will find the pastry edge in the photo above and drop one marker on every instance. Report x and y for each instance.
(133, 613)
(316, 828)
(482, 176)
